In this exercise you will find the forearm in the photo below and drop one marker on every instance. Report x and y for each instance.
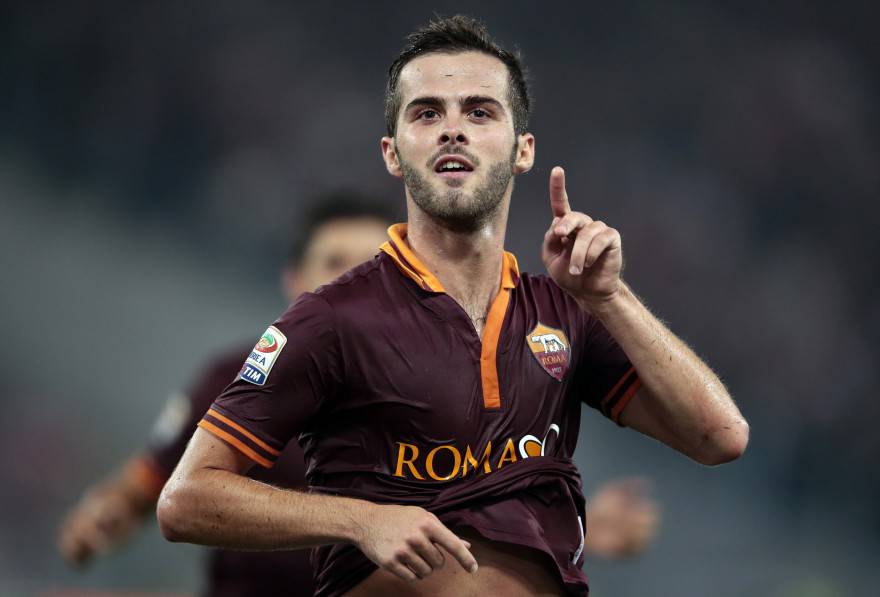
(223, 509)
(695, 413)
(110, 511)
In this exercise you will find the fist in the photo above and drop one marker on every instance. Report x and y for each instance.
(410, 542)
(622, 519)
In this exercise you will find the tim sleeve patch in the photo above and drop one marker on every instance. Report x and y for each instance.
(262, 358)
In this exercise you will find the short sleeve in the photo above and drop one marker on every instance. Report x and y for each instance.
(605, 379)
(294, 368)
(183, 410)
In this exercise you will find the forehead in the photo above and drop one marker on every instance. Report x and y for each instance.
(454, 75)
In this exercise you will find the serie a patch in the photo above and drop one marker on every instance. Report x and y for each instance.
(258, 365)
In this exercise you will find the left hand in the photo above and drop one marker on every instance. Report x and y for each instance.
(583, 256)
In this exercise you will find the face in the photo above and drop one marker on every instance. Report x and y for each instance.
(334, 248)
(455, 145)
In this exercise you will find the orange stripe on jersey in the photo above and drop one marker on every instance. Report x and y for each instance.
(509, 270)
(244, 432)
(492, 332)
(401, 264)
(403, 255)
(488, 364)
(235, 442)
(624, 400)
(144, 473)
(407, 261)
(618, 385)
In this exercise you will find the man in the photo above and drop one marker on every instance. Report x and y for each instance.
(341, 231)
(435, 390)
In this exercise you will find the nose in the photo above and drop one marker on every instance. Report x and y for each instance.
(452, 133)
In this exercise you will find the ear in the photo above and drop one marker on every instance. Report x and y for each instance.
(389, 154)
(525, 153)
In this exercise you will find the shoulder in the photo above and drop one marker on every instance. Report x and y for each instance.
(216, 374)
(360, 291)
(367, 289)
(366, 277)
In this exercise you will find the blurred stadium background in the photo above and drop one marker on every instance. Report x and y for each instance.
(155, 155)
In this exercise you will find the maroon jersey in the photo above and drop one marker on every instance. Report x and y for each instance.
(233, 573)
(394, 398)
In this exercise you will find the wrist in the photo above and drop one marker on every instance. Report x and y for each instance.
(606, 305)
(355, 519)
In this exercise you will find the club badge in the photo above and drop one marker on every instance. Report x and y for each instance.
(550, 348)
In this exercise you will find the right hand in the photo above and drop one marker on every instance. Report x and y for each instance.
(622, 518)
(102, 521)
(407, 541)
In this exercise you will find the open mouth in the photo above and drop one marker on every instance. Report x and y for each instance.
(453, 166)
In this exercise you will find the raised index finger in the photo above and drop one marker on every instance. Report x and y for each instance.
(558, 195)
(456, 547)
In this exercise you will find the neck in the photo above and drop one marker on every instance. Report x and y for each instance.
(468, 264)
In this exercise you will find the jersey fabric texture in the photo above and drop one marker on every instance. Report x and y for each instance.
(394, 398)
(232, 573)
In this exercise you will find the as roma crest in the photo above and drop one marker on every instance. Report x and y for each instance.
(551, 349)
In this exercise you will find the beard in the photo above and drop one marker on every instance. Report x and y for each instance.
(452, 207)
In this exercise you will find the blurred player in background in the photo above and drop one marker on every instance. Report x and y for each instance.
(343, 231)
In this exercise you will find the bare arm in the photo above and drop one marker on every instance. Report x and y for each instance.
(109, 512)
(209, 501)
(682, 402)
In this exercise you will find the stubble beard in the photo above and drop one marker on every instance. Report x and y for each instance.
(453, 208)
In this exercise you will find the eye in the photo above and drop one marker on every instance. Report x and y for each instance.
(480, 113)
(428, 114)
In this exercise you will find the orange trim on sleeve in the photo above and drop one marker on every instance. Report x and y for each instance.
(618, 385)
(144, 473)
(624, 400)
(235, 442)
(245, 432)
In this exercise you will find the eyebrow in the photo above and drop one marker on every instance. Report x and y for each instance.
(436, 102)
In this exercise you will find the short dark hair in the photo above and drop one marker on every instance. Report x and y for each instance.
(336, 205)
(452, 35)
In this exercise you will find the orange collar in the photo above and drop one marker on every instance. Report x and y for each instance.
(399, 250)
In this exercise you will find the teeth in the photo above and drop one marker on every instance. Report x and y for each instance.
(452, 166)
